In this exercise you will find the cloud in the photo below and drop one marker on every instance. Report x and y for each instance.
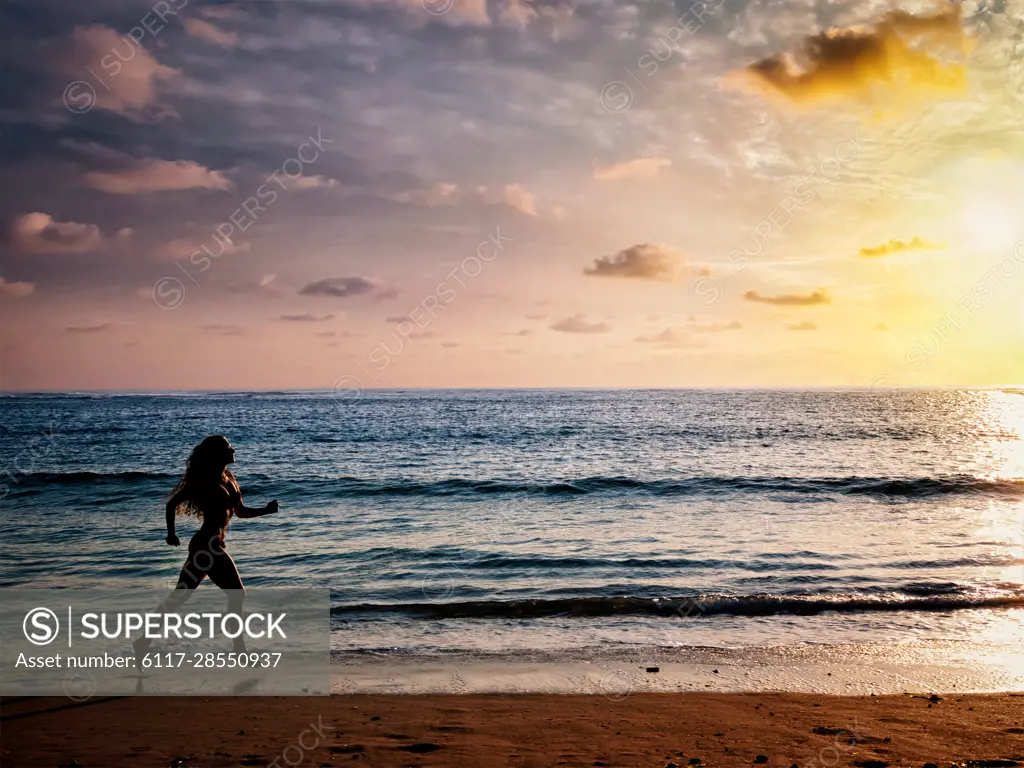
(221, 12)
(805, 325)
(640, 168)
(268, 284)
(643, 261)
(439, 193)
(183, 249)
(880, 327)
(204, 30)
(15, 289)
(88, 328)
(40, 233)
(314, 182)
(345, 287)
(128, 72)
(516, 196)
(900, 56)
(223, 330)
(579, 324)
(791, 299)
(451, 12)
(735, 325)
(306, 318)
(670, 337)
(899, 246)
(469, 11)
(153, 175)
(516, 13)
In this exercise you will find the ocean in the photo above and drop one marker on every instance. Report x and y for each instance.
(742, 531)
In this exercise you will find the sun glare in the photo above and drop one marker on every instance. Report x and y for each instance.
(989, 225)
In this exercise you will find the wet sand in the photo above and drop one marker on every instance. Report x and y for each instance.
(643, 729)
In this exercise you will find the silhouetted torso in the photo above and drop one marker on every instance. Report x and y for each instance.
(218, 503)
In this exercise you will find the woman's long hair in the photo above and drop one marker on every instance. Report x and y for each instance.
(206, 470)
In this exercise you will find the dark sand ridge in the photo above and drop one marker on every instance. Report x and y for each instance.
(461, 731)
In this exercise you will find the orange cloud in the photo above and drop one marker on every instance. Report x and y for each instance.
(640, 168)
(518, 197)
(806, 325)
(204, 30)
(899, 246)
(901, 56)
(791, 299)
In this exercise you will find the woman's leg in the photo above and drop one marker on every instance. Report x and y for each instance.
(190, 577)
(191, 574)
(224, 574)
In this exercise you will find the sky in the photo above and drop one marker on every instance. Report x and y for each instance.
(510, 193)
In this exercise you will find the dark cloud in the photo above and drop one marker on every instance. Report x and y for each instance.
(643, 261)
(16, 288)
(40, 233)
(902, 54)
(306, 318)
(346, 287)
(88, 328)
(223, 330)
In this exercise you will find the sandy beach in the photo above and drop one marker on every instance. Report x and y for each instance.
(528, 730)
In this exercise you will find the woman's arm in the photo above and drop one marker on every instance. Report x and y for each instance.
(172, 509)
(243, 511)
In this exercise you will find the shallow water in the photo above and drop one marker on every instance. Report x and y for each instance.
(556, 522)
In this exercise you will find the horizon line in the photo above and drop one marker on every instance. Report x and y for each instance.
(352, 393)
